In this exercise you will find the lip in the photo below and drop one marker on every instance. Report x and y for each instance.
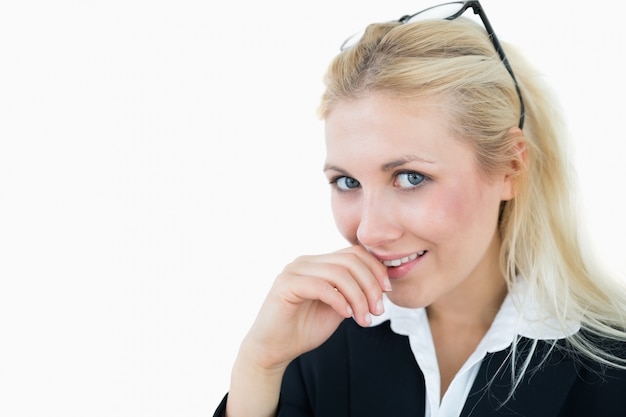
(396, 272)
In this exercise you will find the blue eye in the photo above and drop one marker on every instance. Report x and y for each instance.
(346, 183)
(409, 179)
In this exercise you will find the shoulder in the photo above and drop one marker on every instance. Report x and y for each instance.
(598, 384)
(605, 360)
(608, 363)
(369, 370)
(551, 373)
(600, 387)
(351, 341)
(349, 330)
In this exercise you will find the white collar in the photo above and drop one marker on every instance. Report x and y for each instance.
(521, 314)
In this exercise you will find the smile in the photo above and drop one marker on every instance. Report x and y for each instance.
(398, 262)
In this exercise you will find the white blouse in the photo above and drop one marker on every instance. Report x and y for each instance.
(520, 314)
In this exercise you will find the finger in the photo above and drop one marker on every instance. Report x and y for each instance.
(360, 264)
(375, 266)
(300, 288)
(361, 292)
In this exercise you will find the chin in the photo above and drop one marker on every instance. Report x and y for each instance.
(402, 299)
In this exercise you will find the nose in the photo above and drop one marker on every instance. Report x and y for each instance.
(379, 225)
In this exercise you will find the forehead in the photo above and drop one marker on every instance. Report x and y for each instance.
(365, 135)
(378, 125)
(377, 110)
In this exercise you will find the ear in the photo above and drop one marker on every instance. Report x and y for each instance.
(517, 163)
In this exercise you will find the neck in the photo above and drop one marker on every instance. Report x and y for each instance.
(477, 300)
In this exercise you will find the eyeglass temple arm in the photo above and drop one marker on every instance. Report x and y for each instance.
(477, 8)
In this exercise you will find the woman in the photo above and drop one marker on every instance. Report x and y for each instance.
(465, 290)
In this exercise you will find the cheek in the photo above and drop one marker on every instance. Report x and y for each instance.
(448, 213)
(455, 208)
(346, 218)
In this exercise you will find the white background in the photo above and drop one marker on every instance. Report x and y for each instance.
(160, 162)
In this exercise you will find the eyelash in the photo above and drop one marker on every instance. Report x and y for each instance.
(333, 182)
(425, 179)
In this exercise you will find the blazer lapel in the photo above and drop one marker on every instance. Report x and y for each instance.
(541, 393)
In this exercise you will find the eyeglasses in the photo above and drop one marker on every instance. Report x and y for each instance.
(450, 11)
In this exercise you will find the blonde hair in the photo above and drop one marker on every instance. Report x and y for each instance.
(541, 235)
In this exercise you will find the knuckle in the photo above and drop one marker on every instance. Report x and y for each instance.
(301, 258)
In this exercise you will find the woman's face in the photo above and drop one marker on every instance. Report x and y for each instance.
(412, 194)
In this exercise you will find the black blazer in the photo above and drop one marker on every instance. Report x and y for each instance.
(371, 372)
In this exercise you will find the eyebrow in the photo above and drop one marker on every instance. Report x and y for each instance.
(388, 166)
(328, 167)
(404, 160)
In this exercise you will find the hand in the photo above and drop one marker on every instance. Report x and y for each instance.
(304, 307)
(308, 301)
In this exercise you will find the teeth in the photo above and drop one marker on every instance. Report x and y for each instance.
(398, 262)
(395, 262)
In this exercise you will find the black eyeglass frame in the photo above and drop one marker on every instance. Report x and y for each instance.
(478, 9)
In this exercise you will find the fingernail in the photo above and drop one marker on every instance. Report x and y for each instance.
(380, 309)
(387, 284)
(368, 319)
(350, 312)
